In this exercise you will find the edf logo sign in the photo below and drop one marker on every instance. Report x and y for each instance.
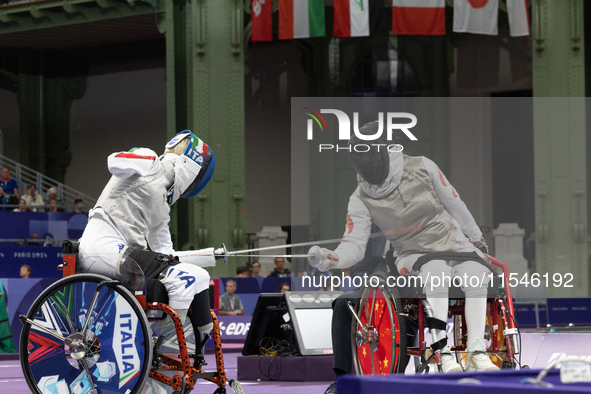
(392, 123)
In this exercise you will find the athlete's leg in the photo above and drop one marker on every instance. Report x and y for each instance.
(475, 279)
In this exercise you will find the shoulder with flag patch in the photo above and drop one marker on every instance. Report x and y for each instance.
(136, 161)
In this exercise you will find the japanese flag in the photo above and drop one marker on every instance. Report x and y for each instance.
(476, 16)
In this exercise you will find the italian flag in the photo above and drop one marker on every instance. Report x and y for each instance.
(424, 17)
(301, 19)
(358, 18)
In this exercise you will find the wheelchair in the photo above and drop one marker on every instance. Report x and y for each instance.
(90, 334)
(379, 332)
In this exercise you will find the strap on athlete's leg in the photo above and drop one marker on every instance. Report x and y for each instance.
(437, 324)
(151, 263)
(450, 256)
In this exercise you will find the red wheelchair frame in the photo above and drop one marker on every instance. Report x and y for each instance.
(161, 362)
(390, 338)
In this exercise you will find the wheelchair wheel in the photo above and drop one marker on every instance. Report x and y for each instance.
(113, 354)
(380, 308)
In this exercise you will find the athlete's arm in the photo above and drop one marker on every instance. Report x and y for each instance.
(160, 241)
(452, 202)
(136, 161)
(357, 231)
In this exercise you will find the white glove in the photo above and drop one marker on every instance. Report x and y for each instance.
(201, 258)
(322, 258)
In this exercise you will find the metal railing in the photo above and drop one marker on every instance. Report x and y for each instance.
(25, 175)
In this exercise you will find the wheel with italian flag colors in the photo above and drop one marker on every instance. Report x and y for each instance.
(378, 337)
(85, 333)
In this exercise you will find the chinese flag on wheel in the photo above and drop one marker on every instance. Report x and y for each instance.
(301, 19)
(518, 19)
(423, 17)
(476, 16)
(261, 12)
(357, 18)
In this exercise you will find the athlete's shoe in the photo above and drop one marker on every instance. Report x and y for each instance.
(477, 359)
(448, 361)
(332, 389)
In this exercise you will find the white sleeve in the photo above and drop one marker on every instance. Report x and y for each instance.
(159, 238)
(137, 161)
(452, 202)
(357, 231)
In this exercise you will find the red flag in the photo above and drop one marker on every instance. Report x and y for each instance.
(423, 17)
(262, 21)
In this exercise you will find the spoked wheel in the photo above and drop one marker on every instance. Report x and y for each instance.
(379, 342)
(78, 338)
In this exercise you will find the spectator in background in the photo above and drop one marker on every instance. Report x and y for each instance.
(54, 206)
(34, 243)
(51, 193)
(8, 188)
(255, 268)
(283, 288)
(78, 205)
(25, 271)
(22, 206)
(242, 272)
(230, 303)
(280, 271)
(33, 199)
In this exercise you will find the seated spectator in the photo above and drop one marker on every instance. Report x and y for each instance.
(230, 304)
(33, 237)
(51, 193)
(54, 206)
(25, 271)
(8, 188)
(78, 205)
(34, 199)
(242, 272)
(280, 271)
(283, 288)
(22, 206)
(255, 268)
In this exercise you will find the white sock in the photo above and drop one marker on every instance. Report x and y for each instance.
(475, 312)
(439, 305)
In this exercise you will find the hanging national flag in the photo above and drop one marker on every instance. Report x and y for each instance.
(261, 12)
(301, 19)
(358, 18)
(423, 17)
(518, 20)
(476, 16)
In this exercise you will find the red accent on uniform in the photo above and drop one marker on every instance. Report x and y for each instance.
(453, 192)
(404, 271)
(441, 178)
(350, 224)
(128, 155)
